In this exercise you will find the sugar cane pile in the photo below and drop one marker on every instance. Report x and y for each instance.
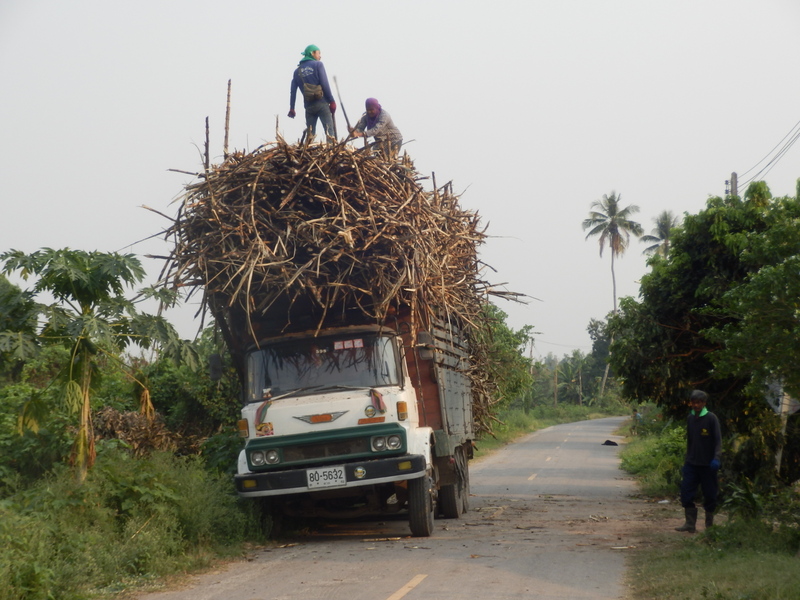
(290, 230)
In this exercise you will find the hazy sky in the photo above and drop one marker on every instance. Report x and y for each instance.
(532, 108)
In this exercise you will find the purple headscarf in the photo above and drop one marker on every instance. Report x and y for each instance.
(372, 103)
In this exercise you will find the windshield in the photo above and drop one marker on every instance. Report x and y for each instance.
(306, 365)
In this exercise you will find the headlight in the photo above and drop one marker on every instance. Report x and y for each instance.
(273, 457)
(379, 444)
(393, 442)
(257, 458)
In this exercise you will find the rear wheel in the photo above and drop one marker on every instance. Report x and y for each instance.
(465, 479)
(420, 506)
(454, 498)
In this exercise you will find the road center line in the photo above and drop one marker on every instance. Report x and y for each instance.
(532, 477)
(548, 459)
(407, 587)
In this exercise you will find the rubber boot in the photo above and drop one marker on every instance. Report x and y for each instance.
(709, 518)
(690, 525)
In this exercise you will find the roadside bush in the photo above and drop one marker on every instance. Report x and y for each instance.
(26, 556)
(656, 460)
(221, 451)
(132, 519)
(26, 457)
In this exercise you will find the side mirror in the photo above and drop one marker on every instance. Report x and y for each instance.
(215, 367)
(425, 345)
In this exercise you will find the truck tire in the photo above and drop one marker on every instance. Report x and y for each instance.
(450, 501)
(454, 498)
(465, 482)
(420, 506)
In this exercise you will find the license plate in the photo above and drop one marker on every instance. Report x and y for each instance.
(326, 477)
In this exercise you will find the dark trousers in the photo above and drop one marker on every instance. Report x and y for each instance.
(321, 110)
(703, 477)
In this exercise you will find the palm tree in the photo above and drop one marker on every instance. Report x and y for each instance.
(659, 237)
(612, 224)
(614, 227)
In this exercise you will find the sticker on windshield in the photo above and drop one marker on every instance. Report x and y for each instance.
(348, 344)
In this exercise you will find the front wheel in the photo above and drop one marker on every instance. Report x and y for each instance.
(420, 506)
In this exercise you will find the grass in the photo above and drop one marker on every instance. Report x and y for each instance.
(706, 565)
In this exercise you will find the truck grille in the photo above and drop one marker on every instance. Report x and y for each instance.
(326, 450)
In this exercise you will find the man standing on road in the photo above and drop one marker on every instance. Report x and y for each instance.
(703, 451)
(312, 81)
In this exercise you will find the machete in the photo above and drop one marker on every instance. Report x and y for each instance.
(344, 112)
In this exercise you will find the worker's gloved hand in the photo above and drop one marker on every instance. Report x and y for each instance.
(292, 114)
(714, 465)
(333, 107)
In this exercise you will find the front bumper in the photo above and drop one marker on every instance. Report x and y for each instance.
(294, 481)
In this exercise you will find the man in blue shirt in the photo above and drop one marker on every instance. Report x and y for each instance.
(703, 452)
(312, 81)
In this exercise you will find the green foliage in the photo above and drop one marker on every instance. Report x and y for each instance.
(598, 333)
(187, 398)
(743, 500)
(719, 313)
(184, 394)
(508, 369)
(746, 534)
(132, 519)
(221, 451)
(656, 459)
(26, 455)
(91, 317)
(18, 343)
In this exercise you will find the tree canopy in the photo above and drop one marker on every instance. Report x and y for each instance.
(719, 313)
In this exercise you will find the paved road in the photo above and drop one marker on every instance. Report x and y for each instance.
(551, 518)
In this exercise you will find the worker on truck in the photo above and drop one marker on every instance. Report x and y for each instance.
(378, 124)
(312, 81)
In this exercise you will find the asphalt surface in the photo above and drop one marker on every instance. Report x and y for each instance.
(551, 517)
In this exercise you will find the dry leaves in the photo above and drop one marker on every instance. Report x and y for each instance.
(294, 236)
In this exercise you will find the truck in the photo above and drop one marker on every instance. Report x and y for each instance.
(359, 418)
(347, 297)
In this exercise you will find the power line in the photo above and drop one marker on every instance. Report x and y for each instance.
(793, 135)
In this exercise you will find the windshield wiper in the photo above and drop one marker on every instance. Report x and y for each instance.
(345, 387)
(286, 394)
(315, 388)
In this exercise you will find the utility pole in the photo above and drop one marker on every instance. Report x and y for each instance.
(734, 184)
(555, 385)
